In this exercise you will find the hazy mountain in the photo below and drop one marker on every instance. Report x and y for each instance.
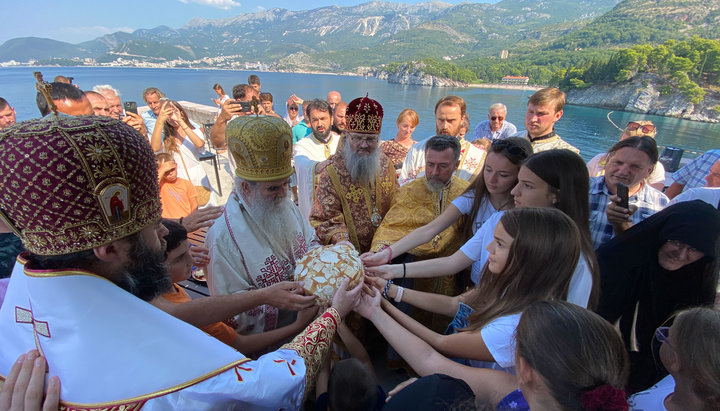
(369, 33)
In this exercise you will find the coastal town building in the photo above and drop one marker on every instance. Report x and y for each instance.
(515, 80)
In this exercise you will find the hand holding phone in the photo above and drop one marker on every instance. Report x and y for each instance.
(130, 107)
(622, 192)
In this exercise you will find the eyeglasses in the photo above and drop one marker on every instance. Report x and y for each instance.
(645, 128)
(499, 145)
(367, 140)
(493, 118)
(682, 246)
(662, 335)
(293, 108)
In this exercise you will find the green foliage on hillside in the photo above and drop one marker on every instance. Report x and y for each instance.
(683, 65)
(435, 68)
(646, 21)
(540, 66)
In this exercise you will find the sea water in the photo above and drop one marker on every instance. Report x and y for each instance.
(586, 128)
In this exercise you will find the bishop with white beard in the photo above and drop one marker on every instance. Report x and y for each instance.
(262, 234)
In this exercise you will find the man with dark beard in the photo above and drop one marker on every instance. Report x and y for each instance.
(256, 243)
(354, 190)
(310, 151)
(74, 295)
(418, 203)
(450, 114)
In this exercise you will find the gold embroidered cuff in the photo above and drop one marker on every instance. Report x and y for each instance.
(314, 343)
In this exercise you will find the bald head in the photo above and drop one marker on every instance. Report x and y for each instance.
(334, 98)
(339, 117)
(98, 103)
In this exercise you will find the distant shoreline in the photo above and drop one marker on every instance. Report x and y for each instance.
(506, 86)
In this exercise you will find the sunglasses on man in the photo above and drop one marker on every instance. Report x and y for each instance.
(645, 128)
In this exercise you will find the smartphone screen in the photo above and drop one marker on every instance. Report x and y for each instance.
(130, 107)
(622, 192)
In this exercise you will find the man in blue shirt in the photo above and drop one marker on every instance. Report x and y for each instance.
(630, 162)
(495, 127)
(152, 96)
(693, 173)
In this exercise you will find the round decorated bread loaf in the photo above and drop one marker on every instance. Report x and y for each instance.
(324, 268)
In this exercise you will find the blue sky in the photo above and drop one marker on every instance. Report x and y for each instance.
(81, 20)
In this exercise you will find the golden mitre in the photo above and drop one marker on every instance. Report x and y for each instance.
(261, 147)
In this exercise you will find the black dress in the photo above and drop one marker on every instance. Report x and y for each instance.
(632, 282)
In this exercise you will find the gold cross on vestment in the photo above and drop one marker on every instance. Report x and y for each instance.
(354, 193)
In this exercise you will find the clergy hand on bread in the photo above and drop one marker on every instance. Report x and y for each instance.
(135, 121)
(371, 259)
(23, 388)
(287, 295)
(345, 300)
(386, 271)
(200, 218)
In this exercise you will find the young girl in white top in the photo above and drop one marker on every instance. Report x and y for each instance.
(532, 257)
(174, 133)
(689, 351)
(550, 179)
(483, 198)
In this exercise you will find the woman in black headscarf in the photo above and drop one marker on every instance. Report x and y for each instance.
(666, 263)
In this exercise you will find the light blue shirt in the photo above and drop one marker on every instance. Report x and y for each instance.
(149, 118)
(483, 131)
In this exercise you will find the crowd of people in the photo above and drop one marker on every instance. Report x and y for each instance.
(500, 269)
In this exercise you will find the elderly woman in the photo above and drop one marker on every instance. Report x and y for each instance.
(666, 263)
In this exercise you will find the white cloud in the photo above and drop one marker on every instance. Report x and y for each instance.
(220, 4)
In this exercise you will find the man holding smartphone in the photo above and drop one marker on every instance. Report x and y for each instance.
(629, 164)
(115, 108)
(239, 105)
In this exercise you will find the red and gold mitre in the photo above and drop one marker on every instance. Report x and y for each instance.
(71, 184)
(261, 147)
(364, 116)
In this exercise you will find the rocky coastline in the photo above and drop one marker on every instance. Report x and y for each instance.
(417, 78)
(641, 95)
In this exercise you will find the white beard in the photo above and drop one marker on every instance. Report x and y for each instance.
(362, 169)
(273, 217)
(435, 186)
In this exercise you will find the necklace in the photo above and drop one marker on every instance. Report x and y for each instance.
(375, 217)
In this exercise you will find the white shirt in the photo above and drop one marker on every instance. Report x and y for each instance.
(476, 249)
(499, 338)
(653, 399)
(307, 152)
(464, 203)
(710, 195)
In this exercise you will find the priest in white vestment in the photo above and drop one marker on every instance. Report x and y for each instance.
(262, 234)
(91, 225)
(310, 151)
(450, 111)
